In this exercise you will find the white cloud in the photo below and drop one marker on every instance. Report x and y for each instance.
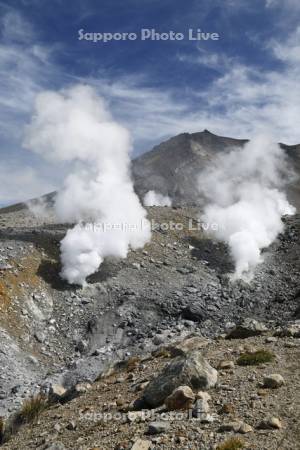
(23, 72)
(289, 51)
(25, 69)
(216, 61)
(239, 101)
(16, 28)
(286, 4)
(245, 100)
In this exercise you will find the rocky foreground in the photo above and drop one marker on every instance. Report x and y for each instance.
(53, 334)
(225, 393)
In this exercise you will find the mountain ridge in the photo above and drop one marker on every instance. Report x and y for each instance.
(173, 166)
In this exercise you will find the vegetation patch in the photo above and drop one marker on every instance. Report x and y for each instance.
(32, 408)
(29, 412)
(255, 358)
(133, 363)
(161, 353)
(2, 430)
(231, 444)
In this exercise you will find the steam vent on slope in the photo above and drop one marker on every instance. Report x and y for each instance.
(152, 299)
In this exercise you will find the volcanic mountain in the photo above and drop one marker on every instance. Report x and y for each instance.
(173, 167)
(55, 334)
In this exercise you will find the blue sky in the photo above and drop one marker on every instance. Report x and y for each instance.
(244, 83)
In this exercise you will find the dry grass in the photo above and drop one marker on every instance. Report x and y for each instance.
(256, 358)
(2, 429)
(161, 353)
(32, 408)
(127, 365)
(132, 363)
(231, 444)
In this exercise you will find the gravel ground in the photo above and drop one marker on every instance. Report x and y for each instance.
(98, 419)
(177, 284)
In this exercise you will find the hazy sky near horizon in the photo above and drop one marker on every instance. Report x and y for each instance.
(244, 83)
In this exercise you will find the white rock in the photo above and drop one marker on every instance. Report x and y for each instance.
(141, 444)
(273, 381)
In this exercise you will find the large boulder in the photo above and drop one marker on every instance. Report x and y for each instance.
(247, 328)
(190, 370)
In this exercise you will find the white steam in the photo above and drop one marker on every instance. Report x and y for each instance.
(74, 126)
(244, 196)
(153, 198)
(39, 208)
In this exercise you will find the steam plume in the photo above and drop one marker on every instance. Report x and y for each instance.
(244, 196)
(153, 198)
(75, 126)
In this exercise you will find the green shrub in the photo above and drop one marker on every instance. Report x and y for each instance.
(231, 444)
(255, 358)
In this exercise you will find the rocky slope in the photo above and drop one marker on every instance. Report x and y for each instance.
(255, 407)
(176, 284)
(56, 334)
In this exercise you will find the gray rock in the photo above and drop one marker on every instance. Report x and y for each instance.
(187, 345)
(71, 425)
(77, 390)
(247, 328)
(270, 423)
(141, 444)
(273, 381)
(181, 398)
(33, 360)
(271, 339)
(40, 336)
(158, 427)
(201, 408)
(57, 427)
(194, 312)
(290, 330)
(55, 446)
(4, 266)
(81, 346)
(226, 365)
(230, 426)
(57, 392)
(245, 428)
(81, 388)
(191, 370)
(157, 340)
